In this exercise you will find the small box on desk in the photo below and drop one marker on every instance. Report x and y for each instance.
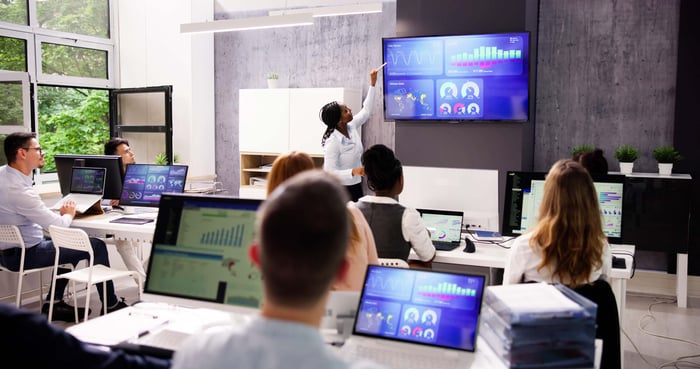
(538, 325)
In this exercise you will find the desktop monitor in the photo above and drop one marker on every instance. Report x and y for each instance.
(145, 183)
(199, 256)
(523, 195)
(112, 164)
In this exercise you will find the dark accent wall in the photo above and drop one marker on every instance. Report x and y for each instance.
(687, 128)
(501, 146)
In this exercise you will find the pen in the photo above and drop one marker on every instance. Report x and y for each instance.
(148, 331)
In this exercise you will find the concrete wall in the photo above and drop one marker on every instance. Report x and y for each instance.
(334, 52)
(606, 76)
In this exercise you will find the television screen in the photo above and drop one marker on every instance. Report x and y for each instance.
(457, 78)
(523, 195)
(145, 183)
(112, 163)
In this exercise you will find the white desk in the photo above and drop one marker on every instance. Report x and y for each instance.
(99, 226)
(493, 256)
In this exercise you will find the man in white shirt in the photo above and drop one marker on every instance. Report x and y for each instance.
(21, 205)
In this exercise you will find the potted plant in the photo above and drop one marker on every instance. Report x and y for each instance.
(666, 156)
(273, 80)
(580, 149)
(626, 155)
(161, 159)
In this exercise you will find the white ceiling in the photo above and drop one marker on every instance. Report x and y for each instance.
(226, 6)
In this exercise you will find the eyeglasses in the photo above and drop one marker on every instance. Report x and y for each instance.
(38, 149)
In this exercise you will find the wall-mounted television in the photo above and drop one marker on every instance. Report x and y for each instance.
(523, 195)
(480, 77)
(112, 163)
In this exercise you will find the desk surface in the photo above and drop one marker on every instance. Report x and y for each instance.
(486, 255)
(100, 226)
(491, 255)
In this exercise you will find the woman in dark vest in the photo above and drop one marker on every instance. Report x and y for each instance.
(396, 228)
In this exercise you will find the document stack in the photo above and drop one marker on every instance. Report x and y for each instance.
(538, 325)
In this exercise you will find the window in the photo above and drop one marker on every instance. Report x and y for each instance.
(65, 51)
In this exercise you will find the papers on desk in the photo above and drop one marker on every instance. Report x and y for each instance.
(121, 325)
(533, 298)
(538, 325)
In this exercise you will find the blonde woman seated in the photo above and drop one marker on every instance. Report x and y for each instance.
(362, 249)
(567, 244)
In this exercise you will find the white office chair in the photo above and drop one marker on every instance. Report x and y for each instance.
(10, 234)
(393, 262)
(77, 239)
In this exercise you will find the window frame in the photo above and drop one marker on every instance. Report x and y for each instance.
(34, 76)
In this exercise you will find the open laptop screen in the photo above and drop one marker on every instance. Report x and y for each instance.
(421, 306)
(87, 180)
(145, 183)
(444, 225)
(200, 251)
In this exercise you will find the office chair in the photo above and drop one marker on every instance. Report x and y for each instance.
(10, 234)
(607, 321)
(393, 262)
(77, 239)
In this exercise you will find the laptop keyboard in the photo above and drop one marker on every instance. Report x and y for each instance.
(398, 358)
(445, 246)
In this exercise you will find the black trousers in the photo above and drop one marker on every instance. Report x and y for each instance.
(355, 191)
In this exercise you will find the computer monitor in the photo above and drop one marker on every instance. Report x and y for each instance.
(199, 256)
(523, 195)
(145, 183)
(112, 164)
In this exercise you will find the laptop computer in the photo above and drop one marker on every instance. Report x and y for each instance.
(199, 260)
(416, 318)
(87, 186)
(199, 276)
(445, 227)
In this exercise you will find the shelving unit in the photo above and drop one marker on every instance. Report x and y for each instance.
(257, 165)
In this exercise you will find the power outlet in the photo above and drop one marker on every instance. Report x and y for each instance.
(474, 223)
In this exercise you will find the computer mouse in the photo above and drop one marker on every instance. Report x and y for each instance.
(470, 247)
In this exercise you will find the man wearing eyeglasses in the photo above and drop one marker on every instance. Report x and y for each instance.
(21, 205)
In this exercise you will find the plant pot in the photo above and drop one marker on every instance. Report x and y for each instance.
(273, 83)
(626, 167)
(665, 169)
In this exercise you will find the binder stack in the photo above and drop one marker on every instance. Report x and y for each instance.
(538, 325)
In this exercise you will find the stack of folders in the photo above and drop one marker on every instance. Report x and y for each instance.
(538, 325)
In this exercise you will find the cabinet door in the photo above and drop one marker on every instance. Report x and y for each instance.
(305, 125)
(263, 120)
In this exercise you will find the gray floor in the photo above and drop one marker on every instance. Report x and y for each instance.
(656, 331)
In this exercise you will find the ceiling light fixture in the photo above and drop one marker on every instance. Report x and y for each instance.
(329, 11)
(244, 24)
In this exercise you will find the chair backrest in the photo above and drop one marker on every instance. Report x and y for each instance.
(607, 321)
(393, 262)
(11, 234)
(71, 238)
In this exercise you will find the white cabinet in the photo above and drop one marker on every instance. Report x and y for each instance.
(276, 121)
(281, 120)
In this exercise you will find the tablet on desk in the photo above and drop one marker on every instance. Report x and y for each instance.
(129, 220)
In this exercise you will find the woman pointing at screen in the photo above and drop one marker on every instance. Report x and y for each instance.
(342, 143)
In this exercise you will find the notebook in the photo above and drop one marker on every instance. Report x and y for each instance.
(86, 188)
(416, 318)
(445, 227)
